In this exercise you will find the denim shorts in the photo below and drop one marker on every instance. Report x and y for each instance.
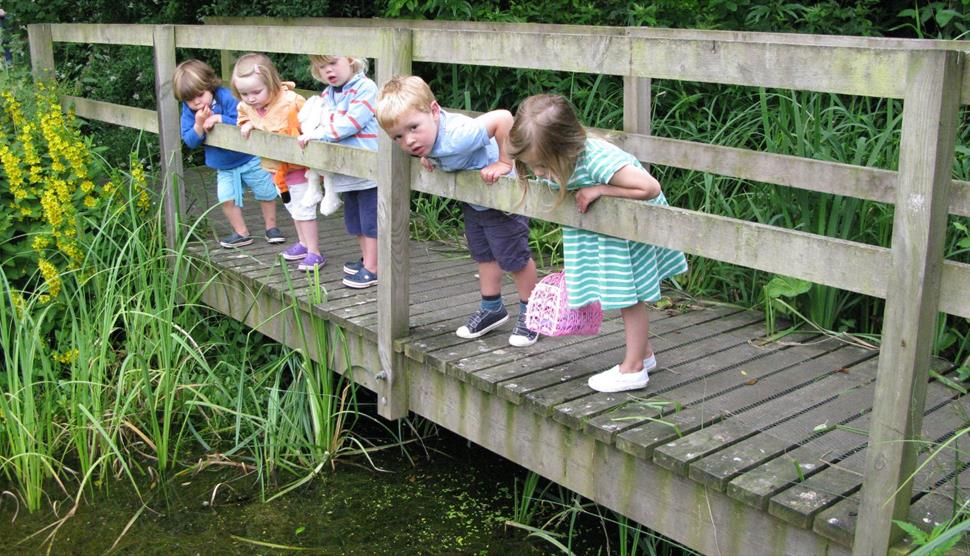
(360, 212)
(494, 235)
(251, 175)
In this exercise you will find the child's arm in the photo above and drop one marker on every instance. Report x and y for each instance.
(192, 137)
(629, 182)
(497, 123)
(244, 121)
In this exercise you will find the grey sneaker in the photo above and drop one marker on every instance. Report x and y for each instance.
(274, 235)
(482, 322)
(234, 240)
(521, 335)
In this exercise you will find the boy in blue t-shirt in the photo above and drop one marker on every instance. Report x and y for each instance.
(204, 104)
(498, 241)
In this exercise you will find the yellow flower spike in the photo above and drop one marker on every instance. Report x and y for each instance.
(90, 201)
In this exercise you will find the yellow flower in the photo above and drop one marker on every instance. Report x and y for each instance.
(67, 357)
(51, 277)
(90, 201)
(40, 243)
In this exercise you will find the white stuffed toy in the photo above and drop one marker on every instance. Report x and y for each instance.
(320, 190)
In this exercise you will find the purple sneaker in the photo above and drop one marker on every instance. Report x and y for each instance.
(295, 252)
(312, 261)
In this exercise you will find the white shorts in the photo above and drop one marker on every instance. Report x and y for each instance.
(297, 210)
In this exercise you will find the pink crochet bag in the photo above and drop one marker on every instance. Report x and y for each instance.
(549, 313)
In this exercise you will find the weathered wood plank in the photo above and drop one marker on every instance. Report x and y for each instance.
(609, 349)
(771, 382)
(118, 114)
(493, 378)
(839, 263)
(678, 454)
(393, 213)
(930, 116)
(325, 156)
(40, 36)
(362, 42)
(853, 71)
(833, 492)
(169, 135)
(757, 486)
(577, 413)
(103, 33)
(590, 53)
(673, 351)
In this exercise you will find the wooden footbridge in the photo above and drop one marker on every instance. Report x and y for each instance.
(736, 447)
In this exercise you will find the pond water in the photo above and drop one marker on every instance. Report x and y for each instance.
(454, 502)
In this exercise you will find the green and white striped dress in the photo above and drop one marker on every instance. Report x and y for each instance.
(616, 272)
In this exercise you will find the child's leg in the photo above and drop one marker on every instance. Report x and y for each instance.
(490, 279)
(235, 217)
(308, 235)
(268, 209)
(636, 325)
(633, 372)
(368, 250)
(525, 280)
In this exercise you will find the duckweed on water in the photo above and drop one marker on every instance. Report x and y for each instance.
(455, 504)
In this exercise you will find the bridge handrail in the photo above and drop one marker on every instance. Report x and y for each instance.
(912, 275)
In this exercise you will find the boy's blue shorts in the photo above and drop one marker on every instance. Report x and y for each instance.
(360, 212)
(230, 183)
(494, 235)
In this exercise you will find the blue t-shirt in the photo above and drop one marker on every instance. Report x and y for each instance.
(223, 103)
(462, 144)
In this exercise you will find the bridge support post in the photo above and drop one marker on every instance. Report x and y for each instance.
(930, 116)
(41, 51)
(169, 134)
(393, 215)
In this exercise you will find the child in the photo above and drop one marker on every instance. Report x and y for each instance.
(548, 139)
(270, 104)
(409, 113)
(204, 104)
(349, 120)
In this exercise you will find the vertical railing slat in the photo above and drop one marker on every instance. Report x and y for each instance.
(393, 214)
(930, 116)
(169, 134)
(41, 51)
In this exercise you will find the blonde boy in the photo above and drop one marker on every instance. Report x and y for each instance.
(498, 242)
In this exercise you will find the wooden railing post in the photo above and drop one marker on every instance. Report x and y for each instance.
(636, 105)
(169, 135)
(393, 214)
(226, 61)
(41, 51)
(930, 115)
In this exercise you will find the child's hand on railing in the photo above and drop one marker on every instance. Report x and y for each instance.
(428, 165)
(586, 196)
(494, 171)
(246, 129)
(211, 122)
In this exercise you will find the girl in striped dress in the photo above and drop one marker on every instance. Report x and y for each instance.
(548, 141)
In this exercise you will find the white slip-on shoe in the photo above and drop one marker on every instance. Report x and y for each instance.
(612, 380)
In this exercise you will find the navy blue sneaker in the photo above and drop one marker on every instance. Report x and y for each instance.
(353, 267)
(274, 235)
(482, 322)
(235, 240)
(362, 279)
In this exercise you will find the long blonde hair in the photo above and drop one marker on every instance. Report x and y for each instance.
(547, 131)
(261, 66)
